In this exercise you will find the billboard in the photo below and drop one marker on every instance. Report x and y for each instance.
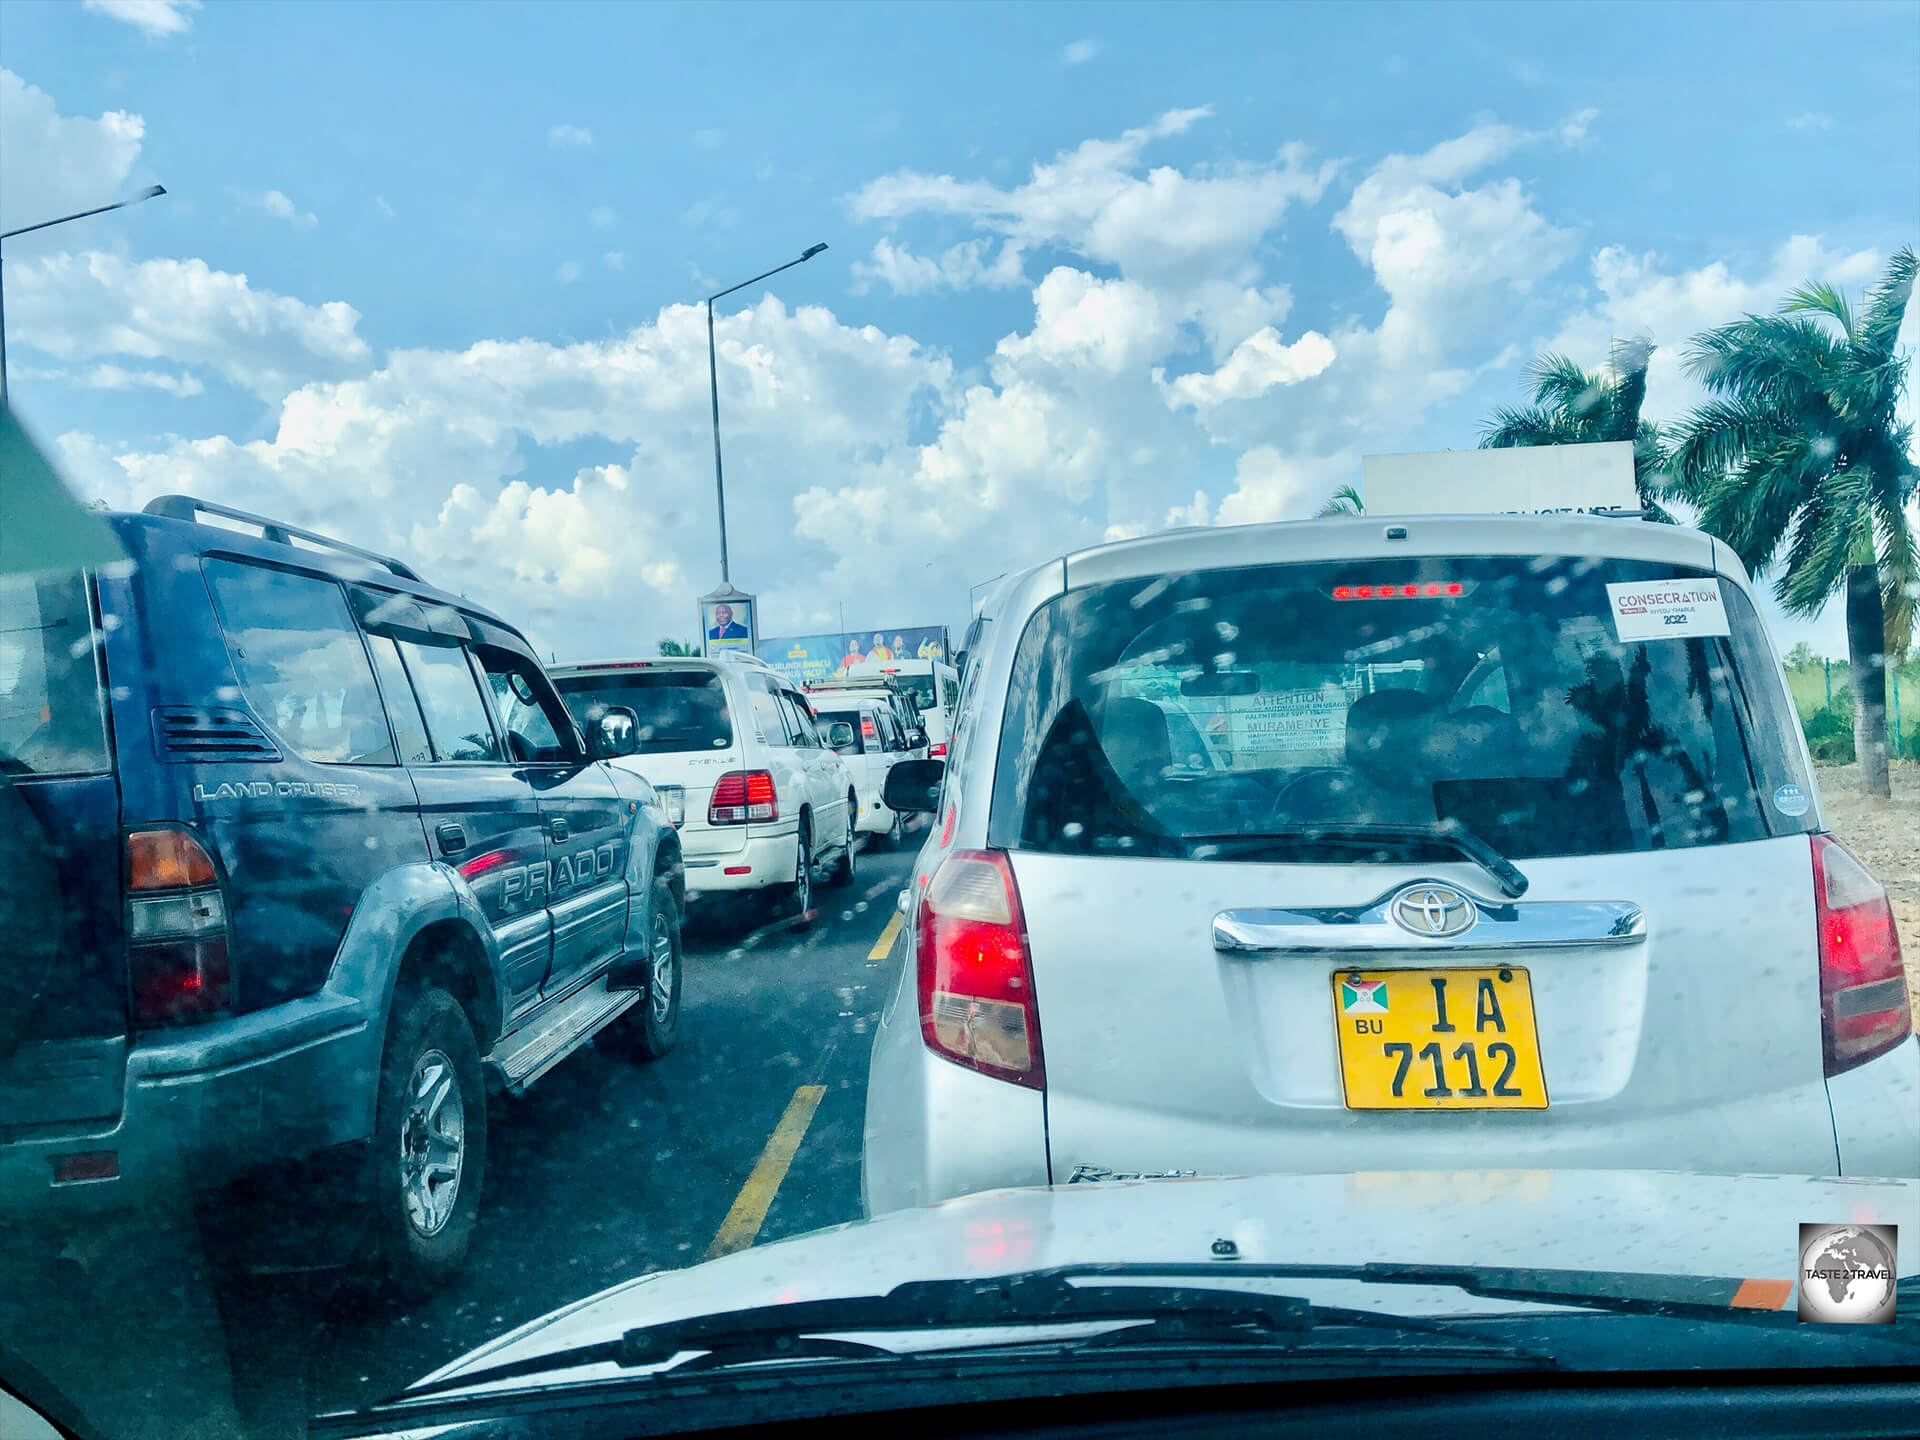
(1525, 480)
(817, 657)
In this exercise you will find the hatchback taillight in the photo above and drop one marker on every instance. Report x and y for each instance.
(975, 971)
(740, 796)
(1863, 989)
(177, 932)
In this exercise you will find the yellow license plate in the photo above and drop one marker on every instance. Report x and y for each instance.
(1438, 1040)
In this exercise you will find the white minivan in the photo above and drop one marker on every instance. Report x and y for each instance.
(762, 800)
(867, 735)
(1511, 857)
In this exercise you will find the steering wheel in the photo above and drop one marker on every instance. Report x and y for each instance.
(1281, 808)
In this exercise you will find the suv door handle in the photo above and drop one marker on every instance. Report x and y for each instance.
(452, 838)
(557, 827)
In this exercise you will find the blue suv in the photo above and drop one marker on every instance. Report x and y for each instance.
(302, 857)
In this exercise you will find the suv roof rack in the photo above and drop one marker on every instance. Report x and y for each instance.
(187, 507)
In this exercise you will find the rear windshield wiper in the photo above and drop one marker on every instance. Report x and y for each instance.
(1209, 1314)
(1244, 844)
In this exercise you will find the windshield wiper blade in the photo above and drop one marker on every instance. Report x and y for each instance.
(1165, 1313)
(1240, 844)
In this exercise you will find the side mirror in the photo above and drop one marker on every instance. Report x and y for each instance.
(913, 786)
(615, 732)
(839, 733)
(916, 740)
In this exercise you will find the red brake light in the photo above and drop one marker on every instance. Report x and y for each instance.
(975, 972)
(1863, 988)
(867, 729)
(740, 796)
(937, 750)
(1431, 590)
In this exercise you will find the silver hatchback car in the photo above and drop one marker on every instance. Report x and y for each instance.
(1500, 849)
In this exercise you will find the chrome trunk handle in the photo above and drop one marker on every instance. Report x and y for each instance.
(1496, 925)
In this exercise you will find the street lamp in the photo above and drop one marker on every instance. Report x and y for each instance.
(713, 380)
(151, 192)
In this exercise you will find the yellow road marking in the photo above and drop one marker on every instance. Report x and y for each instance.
(884, 945)
(749, 1210)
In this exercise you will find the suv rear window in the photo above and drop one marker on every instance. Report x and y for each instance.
(1498, 695)
(678, 709)
(50, 715)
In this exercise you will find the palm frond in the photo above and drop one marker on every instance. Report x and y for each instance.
(1628, 392)
(1716, 439)
(1344, 501)
(1818, 297)
(1887, 307)
(1828, 534)
(1767, 357)
(1560, 383)
(1539, 425)
(1898, 557)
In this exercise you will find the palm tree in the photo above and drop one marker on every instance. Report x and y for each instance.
(1801, 448)
(1572, 406)
(1344, 501)
(676, 648)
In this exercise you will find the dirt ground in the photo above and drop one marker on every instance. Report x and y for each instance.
(1887, 837)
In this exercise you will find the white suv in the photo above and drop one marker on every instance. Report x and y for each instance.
(761, 799)
(865, 732)
(1512, 858)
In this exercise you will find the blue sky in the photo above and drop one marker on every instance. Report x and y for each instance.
(1094, 269)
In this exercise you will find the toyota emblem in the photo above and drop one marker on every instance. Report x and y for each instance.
(1432, 910)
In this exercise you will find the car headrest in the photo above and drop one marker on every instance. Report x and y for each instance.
(1133, 732)
(1382, 730)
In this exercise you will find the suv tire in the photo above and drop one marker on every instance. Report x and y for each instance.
(795, 898)
(430, 1114)
(651, 1028)
(841, 875)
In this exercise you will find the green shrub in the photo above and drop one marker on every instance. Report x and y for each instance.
(1829, 733)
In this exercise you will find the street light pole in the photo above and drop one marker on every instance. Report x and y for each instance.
(713, 382)
(151, 192)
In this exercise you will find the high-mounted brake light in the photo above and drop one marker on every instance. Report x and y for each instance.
(975, 971)
(1424, 590)
(177, 930)
(740, 796)
(1863, 988)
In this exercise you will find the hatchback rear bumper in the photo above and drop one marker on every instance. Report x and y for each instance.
(206, 1105)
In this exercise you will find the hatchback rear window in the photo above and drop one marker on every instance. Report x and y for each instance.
(678, 709)
(851, 717)
(51, 721)
(1179, 714)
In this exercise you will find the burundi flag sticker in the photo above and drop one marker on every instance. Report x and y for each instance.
(1363, 997)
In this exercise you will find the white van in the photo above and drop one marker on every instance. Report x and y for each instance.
(935, 685)
(863, 729)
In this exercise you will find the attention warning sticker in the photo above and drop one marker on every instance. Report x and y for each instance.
(1666, 609)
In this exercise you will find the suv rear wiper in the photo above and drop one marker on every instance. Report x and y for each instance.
(1210, 1314)
(1243, 844)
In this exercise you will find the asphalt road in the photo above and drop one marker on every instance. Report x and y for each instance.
(748, 1132)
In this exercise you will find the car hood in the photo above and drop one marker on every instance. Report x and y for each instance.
(1642, 1222)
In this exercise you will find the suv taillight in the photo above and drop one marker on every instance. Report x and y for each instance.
(1863, 989)
(937, 750)
(177, 932)
(975, 971)
(743, 795)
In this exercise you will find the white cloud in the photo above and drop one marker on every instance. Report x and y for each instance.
(1079, 52)
(380, 204)
(280, 207)
(959, 267)
(53, 165)
(614, 259)
(601, 216)
(1810, 120)
(1573, 129)
(709, 139)
(569, 271)
(93, 305)
(569, 137)
(1258, 364)
(112, 377)
(159, 18)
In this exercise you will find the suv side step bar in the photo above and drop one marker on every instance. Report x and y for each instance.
(523, 1057)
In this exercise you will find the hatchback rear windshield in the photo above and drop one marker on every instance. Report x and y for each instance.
(1164, 716)
(678, 709)
(858, 745)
